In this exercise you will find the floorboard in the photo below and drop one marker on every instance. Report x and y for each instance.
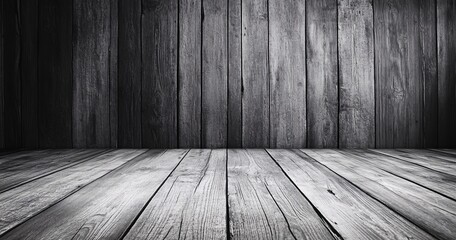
(107, 207)
(353, 213)
(21, 203)
(264, 204)
(191, 204)
(432, 212)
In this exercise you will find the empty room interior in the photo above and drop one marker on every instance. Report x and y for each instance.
(228, 119)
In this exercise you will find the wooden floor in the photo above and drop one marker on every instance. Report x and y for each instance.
(220, 194)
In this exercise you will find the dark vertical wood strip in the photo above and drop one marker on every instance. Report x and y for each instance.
(113, 72)
(356, 74)
(190, 73)
(234, 74)
(91, 100)
(287, 59)
(255, 70)
(2, 89)
(322, 73)
(159, 83)
(55, 73)
(446, 30)
(214, 74)
(129, 81)
(29, 74)
(12, 79)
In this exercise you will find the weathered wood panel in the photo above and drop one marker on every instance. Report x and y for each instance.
(55, 88)
(105, 208)
(190, 73)
(234, 74)
(193, 198)
(349, 210)
(129, 75)
(12, 78)
(159, 73)
(113, 72)
(356, 74)
(322, 88)
(91, 99)
(214, 74)
(264, 204)
(402, 29)
(2, 86)
(29, 73)
(255, 74)
(287, 61)
(446, 31)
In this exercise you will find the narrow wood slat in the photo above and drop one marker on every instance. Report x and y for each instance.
(264, 204)
(91, 82)
(255, 74)
(356, 74)
(20, 171)
(426, 159)
(440, 182)
(287, 52)
(447, 151)
(159, 73)
(189, 119)
(105, 208)
(2, 81)
(214, 74)
(353, 213)
(114, 73)
(191, 204)
(234, 74)
(430, 211)
(21, 203)
(322, 72)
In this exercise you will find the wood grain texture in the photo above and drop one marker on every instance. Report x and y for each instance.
(113, 72)
(105, 208)
(402, 70)
(44, 192)
(129, 75)
(353, 213)
(16, 173)
(12, 77)
(255, 74)
(430, 211)
(446, 32)
(264, 204)
(91, 83)
(2, 81)
(193, 198)
(29, 73)
(356, 74)
(159, 73)
(322, 75)
(287, 61)
(214, 74)
(55, 88)
(190, 73)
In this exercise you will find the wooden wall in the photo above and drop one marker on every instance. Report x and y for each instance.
(228, 73)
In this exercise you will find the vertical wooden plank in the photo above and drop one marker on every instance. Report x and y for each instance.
(356, 74)
(255, 74)
(287, 23)
(159, 79)
(190, 73)
(234, 74)
(12, 78)
(29, 74)
(2, 89)
(400, 69)
(91, 100)
(446, 30)
(55, 73)
(129, 81)
(113, 72)
(322, 82)
(214, 74)
(428, 71)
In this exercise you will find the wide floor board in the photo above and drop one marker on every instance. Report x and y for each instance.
(228, 194)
